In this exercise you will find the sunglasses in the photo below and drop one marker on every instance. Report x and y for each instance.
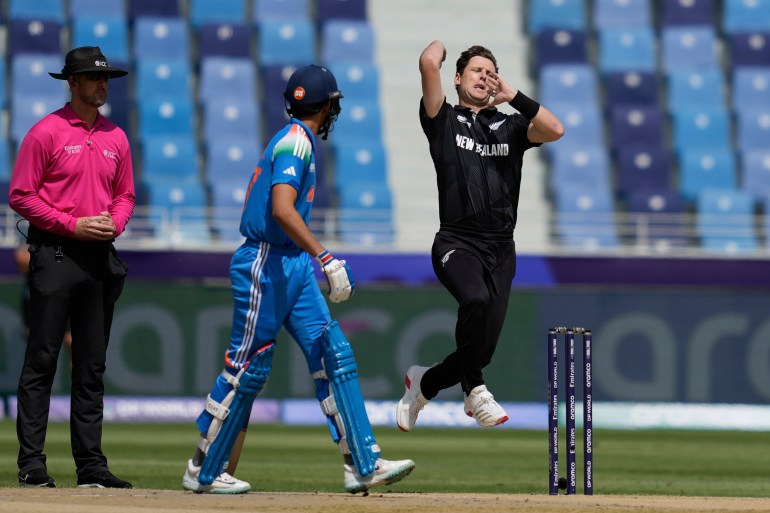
(95, 77)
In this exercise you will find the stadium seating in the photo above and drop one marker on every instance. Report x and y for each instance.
(224, 39)
(577, 82)
(170, 159)
(166, 115)
(686, 12)
(725, 221)
(642, 167)
(161, 37)
(545, 14)
(560, 46)
(701, 169)
(34, 36)
(346, 41)
(97, 8)
(286, 42)
(620, 14)
(755, 173)
(266, 10)
(750, 88)
(5, 167)
(365, 214)
(627, 50)
(231, 117)
(688, 47)
(704, 127)
(221, 11)
(573, 167)
(227, 198)
(227, 77)
(583, 124)
(745, 16)
(694, 88)
(28, 110)
(231, 159)
(659, 221)
(178, 212)
(631, 88)
(50, 10)
(750, 49)
(359, 160)
(110, 34)
(340, 9)
(162, 77)
(153, 8)
(357, 81)
(753, 129)
(584, 219)
(636, 124)
(359, 118)
(29, 75)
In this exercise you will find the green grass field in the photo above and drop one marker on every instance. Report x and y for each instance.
(280, 458)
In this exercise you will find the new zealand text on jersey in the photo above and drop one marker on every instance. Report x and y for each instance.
(485, 150)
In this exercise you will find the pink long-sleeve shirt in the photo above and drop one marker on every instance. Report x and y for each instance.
(64, 171)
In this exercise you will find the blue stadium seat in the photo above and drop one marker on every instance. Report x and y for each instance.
(359, 160)
(745, 16)
(221, 11)
(170, 159)
(346, 41)
(97, 8)
(560, 46)
(227, 77)
(659, 217)
(180, 210)
(274, 80)
(110, 34)
(29, 75)
(227, 197)
(636, 124)
(576, 167)
(755, 173)
(750, 88)
(688, 47)
(28, 110)
(231, 117)
(749, 49)
(701, 169)
(706, 127)
(621, 14)
(550, 14)
(166, 116)
(577, 82)
(153, 8)
(359, 118)
(585, 219)
(162, 77)
(752, 130)
(264, 10)
(359, 81)
(231, 158)
(692, 88)
(3, 84)
(366, 214)
(119, 106)
(161, 37)
(5, 165)
(627, 50)
(286, 42)
(584, 124)
(724, 220)
(642, 167)
(686, 12)
(34, 36)
(50, 10)
(224, 39)
(631, 88)
(340, 9)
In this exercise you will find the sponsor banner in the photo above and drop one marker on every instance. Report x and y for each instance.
(154, 409)
(682, 416)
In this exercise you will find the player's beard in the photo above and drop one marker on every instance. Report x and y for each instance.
(95, 99)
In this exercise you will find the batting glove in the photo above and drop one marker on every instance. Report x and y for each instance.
(339, 276)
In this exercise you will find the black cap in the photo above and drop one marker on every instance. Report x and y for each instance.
(310, 85)
(87, 59)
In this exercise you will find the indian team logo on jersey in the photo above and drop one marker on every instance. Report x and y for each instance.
(299, 93)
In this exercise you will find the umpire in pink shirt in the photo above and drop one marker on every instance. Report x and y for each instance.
(73, 181)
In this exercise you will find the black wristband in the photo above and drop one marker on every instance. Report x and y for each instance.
(526, 105)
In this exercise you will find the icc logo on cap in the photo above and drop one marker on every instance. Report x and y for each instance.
(299, 93)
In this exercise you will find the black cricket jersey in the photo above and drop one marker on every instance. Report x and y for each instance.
(478, 160)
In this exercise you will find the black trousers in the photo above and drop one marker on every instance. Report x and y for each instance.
(77, 281)
(478, 273)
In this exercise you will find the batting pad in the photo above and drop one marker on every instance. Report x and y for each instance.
(342, 372)
(250, 382)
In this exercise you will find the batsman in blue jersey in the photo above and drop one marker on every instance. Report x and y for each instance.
(274, 286)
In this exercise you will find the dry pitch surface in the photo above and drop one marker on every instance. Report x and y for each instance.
(64, 500)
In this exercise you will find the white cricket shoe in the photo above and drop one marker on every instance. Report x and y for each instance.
(386, 472)
(224, 484)
(481, 405)
(413, 401)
